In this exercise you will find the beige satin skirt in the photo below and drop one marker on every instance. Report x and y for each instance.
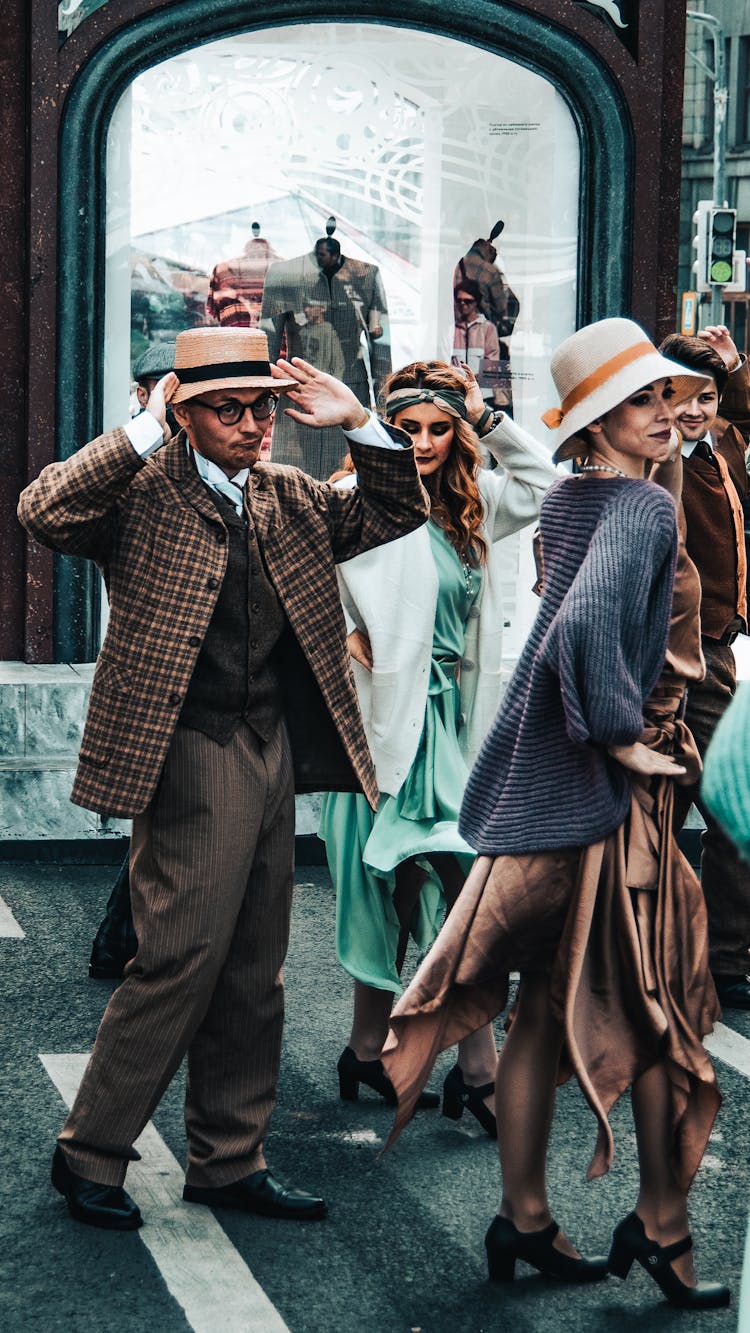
(620, 928)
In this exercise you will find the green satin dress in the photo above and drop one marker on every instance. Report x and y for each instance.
(365, 847)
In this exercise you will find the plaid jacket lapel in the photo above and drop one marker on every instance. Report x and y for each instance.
(263, 505)
(178, 464)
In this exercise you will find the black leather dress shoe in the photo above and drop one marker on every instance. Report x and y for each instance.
(261, 1193)
(107, 1206)
(733, 992)
(106, 966)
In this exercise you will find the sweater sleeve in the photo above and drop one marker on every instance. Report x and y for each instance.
(608, 639)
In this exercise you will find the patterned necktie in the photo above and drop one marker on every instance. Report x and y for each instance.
(230, 492)
(214, 477)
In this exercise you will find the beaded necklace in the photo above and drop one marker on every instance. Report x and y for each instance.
(602, 467)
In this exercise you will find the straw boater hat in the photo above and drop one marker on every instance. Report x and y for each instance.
(222, 358)
(600, 366)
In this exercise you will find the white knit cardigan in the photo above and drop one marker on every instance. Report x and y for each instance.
(391, 593)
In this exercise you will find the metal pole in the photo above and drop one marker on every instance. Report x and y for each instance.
(721, 98)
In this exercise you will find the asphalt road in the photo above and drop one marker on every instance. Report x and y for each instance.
(401, 1251)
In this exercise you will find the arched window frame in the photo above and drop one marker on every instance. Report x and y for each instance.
(583, 80)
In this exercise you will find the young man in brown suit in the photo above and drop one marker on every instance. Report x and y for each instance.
(221, 577)
(715, 428)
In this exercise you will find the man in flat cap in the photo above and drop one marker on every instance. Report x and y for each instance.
(151, 366)
(222, 582)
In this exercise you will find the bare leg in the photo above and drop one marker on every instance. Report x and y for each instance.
(662, 1205)
(372, 1007)
(477, 1053)
(524, 1105)
(372, 1010)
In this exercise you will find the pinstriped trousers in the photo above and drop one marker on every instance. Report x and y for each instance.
(212, 871)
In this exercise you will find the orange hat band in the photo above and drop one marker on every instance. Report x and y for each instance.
(554, 417)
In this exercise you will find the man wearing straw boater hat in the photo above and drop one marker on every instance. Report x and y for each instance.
(222, 585)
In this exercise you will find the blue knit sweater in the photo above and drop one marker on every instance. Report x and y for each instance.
(543, 778)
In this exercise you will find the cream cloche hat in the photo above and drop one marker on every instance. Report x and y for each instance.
(600, 366)
(222, 358)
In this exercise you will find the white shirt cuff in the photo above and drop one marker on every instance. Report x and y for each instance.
(373, 432)
(145, 434)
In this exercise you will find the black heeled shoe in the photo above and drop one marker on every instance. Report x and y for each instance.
(459, 1096)
(504, 1244)
(352, 1072)
(630, 1242)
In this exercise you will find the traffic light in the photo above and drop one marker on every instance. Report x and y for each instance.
(721, 240)
(702, 225)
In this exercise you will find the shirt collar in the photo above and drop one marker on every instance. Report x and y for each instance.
(211, 473)
(688, 447)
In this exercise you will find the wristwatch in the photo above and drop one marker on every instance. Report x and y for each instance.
(489, 419)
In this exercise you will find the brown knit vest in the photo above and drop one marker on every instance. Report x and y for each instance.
(233, 678)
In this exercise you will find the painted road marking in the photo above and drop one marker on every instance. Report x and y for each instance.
(201, 1268)
(730, 1047)
(9, 927)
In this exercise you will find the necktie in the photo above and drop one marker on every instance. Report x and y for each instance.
(704, 451)
(214, 477)
(230, 492)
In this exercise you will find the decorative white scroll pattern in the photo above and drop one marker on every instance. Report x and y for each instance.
(72, 12)
(275, 118)
(350, 118)
(610, 7)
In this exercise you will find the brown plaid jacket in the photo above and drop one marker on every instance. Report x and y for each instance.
(161, 545)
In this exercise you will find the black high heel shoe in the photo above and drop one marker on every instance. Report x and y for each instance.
(459, 1096)
(630, 1242)
(352, 1072)
(504, 1244)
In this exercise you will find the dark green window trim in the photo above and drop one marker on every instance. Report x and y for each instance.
(605, 212)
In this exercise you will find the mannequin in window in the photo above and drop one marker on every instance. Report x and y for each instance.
(332, 307)
(235, 291)
(496, 299)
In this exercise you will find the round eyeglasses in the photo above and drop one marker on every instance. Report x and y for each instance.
(232, 411)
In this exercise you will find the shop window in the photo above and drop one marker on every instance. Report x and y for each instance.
(231, 159)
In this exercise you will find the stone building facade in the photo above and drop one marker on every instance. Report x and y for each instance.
(698, 136)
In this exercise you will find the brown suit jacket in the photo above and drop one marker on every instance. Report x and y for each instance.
(162, 547)
(714, 510)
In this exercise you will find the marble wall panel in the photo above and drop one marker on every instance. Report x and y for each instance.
(54, 717)
(12, 721)
(35, 803)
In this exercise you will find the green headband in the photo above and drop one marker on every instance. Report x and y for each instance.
(448, 400)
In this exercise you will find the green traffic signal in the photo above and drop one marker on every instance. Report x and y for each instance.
(721, 245)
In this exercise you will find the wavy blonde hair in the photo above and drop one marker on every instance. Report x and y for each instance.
(455, 500)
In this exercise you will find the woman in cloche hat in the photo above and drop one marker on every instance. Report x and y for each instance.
(579, 884)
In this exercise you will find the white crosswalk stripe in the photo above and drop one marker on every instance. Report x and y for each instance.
(730, 1047)
(9, 927)
(201, 1268)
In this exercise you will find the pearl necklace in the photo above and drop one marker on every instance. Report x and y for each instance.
(467, 571)
(602, 467)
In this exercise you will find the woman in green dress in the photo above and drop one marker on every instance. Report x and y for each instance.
(425, 619)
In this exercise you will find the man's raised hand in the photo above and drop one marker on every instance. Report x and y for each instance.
(160, 395)
(319, 399)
